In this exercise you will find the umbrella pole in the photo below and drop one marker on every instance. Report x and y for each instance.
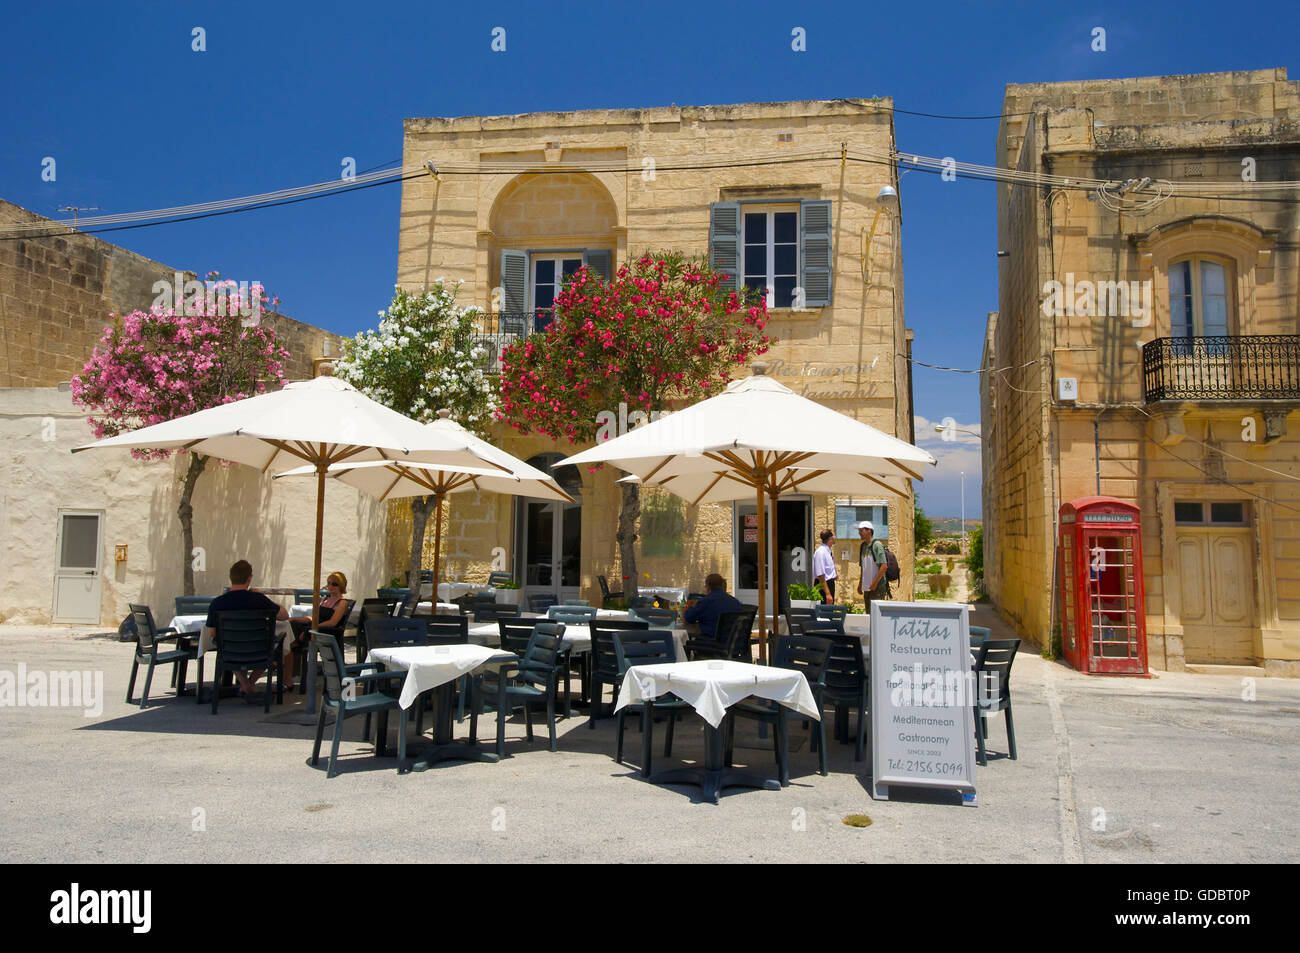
(320, 533)
(437, 549)
(776, 571)
(762, 578)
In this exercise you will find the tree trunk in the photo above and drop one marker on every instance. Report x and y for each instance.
(186, 512)
(421, 506)
(626, 536)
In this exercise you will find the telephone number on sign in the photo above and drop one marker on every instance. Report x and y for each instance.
(925, 767)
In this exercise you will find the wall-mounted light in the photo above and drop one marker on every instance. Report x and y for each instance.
(886, 201)
(119, 552)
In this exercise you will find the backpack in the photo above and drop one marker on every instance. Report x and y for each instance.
(891, 561)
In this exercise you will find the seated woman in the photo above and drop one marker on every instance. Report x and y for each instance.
(331, 614)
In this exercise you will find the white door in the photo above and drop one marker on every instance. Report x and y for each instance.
(77, 576)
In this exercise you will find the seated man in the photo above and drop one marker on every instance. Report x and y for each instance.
(240, 596)
(715, 602)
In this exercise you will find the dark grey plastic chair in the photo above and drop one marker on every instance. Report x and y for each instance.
(530, 680)
(148, 651)
(333, 696)
(193, 605)
(647, 647)
(604, 661)
(845, 682)
(799, 653)
(246, 640)
(993, 690)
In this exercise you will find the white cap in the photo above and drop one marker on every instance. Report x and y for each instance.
(866, 524)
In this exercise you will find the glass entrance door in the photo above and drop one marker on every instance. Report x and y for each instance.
(793, 535)
(551, 548)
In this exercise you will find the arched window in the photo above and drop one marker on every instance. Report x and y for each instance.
(1200, 302)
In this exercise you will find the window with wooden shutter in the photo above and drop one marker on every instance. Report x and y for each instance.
(815, 253)
(724, 242)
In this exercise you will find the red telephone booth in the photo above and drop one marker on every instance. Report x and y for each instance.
(1103, 617)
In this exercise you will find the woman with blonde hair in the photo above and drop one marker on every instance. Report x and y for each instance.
(331, 614)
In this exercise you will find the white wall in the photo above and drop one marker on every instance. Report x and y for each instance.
(238, 513)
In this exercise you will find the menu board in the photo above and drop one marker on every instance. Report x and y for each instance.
(922, 697)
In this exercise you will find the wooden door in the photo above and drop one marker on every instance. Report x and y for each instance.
(1217, 588)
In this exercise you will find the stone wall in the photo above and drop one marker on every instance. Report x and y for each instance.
(58, 289)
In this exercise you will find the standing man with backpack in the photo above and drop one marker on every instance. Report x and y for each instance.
(874, 560)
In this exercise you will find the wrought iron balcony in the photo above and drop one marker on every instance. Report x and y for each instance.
(1230, 367)
(499, 329)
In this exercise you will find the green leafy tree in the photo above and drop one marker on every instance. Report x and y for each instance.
(975, 561)
(425, 356)
(663, 329)
(922, 529)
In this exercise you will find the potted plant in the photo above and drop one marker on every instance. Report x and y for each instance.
(803, 596)
(508, 593)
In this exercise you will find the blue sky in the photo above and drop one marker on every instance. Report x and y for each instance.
(136, 119)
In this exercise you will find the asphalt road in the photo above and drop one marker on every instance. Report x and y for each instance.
(1171, 769)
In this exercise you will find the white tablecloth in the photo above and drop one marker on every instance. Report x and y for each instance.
(577, 637)
(711, 687)
(194, 623)
(428, 666)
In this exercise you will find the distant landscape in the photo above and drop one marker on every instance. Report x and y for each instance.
(951, 525)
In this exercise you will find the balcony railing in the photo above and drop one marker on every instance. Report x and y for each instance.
(1231, 367)
(499, 329)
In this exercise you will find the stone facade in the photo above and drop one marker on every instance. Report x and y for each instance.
(1119, 437)
(58, 289)
(624, 181)
(56, 296)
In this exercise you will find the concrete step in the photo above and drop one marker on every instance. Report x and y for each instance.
(1241, 671)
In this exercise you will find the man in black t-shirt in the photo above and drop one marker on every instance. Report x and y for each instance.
(240, 597)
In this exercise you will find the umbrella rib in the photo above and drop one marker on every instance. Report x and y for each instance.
(696, 501)
(662, 463)
(914, 476)
(349, 452)
(396, 480)
(881, 483)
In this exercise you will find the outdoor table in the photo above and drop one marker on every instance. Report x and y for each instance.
(189, 626)
(711, 687)
(447, 591)
(438, 667)
(194, 625)
(675, 594)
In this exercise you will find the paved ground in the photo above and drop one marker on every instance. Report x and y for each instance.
(1177, 768)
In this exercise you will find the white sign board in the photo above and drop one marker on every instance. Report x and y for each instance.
(922, 697)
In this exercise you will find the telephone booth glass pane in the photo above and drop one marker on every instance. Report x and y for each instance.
(1112, 599)
(1067, 572)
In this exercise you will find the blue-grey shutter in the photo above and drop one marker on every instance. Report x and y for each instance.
(724, 242)
(599, 261)
(514, 280)
(815, 253)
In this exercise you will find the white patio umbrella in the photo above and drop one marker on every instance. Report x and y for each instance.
(760, 438)
(390, 480)
(319, 422)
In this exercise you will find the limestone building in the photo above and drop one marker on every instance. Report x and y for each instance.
(1147, 347)
(791, 191)
(83, 535)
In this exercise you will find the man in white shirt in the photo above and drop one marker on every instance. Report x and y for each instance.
(871, 553)
(824, 567)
